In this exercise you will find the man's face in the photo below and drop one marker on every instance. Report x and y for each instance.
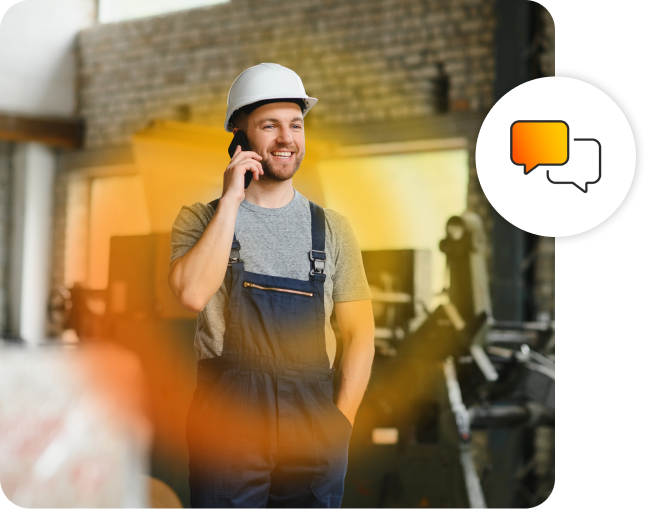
(275, 131)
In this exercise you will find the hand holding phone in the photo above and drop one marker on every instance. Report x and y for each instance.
(242, 159)
(240, 139)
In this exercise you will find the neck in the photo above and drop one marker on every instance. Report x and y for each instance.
(270, 194)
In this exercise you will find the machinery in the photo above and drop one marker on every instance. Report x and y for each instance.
(459, 411)
(460, 408)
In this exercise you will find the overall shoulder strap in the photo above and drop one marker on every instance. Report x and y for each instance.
(318, 234)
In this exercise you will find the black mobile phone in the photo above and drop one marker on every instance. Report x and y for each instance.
(240, 139)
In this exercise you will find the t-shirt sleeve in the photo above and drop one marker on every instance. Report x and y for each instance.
(188, 228)
(349, 280)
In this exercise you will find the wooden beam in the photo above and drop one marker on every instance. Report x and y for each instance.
(55, 132)
(88, 159)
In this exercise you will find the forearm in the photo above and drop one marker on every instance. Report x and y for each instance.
(355, 367)
(195, 277)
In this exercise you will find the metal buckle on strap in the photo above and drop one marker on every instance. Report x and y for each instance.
(316, 251)
(235, 257)
(319, 264)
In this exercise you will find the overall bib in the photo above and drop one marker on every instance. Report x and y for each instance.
(263, 430)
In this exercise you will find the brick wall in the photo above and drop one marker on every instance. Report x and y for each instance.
(365, 60)
(548, 42)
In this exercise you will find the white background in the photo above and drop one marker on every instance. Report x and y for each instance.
(120, 10)
(37, 54)
(530, 201)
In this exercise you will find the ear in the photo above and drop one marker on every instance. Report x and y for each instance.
(235, 129)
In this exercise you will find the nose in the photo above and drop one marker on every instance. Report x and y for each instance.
(284, 136)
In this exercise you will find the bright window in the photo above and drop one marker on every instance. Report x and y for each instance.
(121, 10)
(117, 207)
(399, 201)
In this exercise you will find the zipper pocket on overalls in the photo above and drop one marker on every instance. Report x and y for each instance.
(284, 290)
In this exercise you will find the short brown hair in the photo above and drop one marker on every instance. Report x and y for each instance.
(240, 119)
(240, 116)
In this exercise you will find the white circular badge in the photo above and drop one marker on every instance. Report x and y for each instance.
(555, 156)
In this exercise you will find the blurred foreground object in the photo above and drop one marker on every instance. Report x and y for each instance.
(72, 433)
(161, 494)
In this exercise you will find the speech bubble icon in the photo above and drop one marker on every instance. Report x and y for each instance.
(584, 165)
(539, 142)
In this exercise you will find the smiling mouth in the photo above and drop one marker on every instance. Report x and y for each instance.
(282, 155)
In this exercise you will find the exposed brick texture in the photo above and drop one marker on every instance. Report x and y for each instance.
(548, 59)
(366, 60)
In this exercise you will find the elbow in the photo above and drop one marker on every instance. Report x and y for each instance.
(187, 298)
(191, 302)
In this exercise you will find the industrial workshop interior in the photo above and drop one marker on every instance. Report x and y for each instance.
(111, 120)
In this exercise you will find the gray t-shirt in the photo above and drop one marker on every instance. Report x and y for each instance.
(275, 242)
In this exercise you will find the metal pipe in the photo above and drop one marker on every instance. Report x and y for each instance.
(462, 418)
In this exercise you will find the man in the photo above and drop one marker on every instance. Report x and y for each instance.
(264, 268)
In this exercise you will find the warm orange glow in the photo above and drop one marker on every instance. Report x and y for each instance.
(393, 202)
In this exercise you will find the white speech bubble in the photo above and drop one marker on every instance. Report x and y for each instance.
(584, 166)
(5, 5)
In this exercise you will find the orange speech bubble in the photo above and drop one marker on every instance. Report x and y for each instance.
(539, 142)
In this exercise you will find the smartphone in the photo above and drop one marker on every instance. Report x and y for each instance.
(240, 139)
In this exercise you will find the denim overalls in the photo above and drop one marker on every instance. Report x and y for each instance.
(263, 430)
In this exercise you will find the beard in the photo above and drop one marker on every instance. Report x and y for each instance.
(279, 172)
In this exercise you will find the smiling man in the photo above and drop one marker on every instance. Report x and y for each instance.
(264, 268)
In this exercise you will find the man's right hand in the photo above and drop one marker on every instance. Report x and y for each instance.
(196, 276)
(234, 176)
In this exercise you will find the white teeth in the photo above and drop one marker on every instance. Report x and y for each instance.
(282, 154)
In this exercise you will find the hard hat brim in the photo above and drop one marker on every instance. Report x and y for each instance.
(309, 102)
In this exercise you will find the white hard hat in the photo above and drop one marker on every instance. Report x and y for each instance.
(264, 82)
